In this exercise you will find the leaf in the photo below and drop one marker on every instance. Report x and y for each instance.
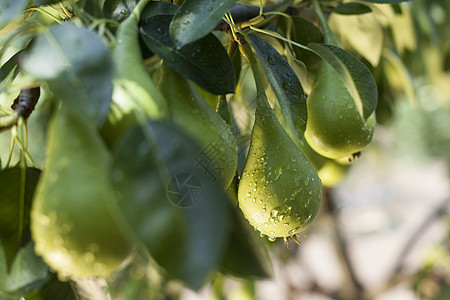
(158, 8)
(175, 207)
(205, 61)
(196, 18)
(387, 1)
(363, 33)
(28, 272)
(118, 9)
(285, 83)
(352, 8)
(354, 74)
(303, 32)
(10, 10)
(8, 72)
(53, 289)
(245, 256)
(16, 192)
(77, 65)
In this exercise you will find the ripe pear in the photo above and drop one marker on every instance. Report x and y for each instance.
(279, 191)
(335, 128)
(194, 115)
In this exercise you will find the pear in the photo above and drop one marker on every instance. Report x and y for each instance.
(279, 191)
(75, 225)
(194, 115)
(335, 128)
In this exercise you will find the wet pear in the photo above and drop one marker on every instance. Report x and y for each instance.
(279, 191)
(74, 223)
(194, 115)
(335, 128)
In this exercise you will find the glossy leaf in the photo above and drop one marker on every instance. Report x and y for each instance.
(118, 9)
(205, 61)
(169, 199)
(196, 18)
(16, 191)
(28, 272)
(11, 9)
(158, 8)
(354, 74)
(284, 82)
(352, 8)
(77, 65)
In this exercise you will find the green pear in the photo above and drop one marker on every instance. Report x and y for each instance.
(335, 128)
(75, 225)
(279, 191)
(194, 115)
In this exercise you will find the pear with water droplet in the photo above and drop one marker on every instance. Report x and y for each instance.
(74, 224)
(335, 128)
(279, 192)
(194, 115)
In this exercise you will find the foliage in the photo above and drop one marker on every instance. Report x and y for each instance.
(145, 113)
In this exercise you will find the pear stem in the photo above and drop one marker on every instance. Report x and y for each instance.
(330, 38)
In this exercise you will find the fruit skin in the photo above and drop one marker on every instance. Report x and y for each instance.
(73, 222)
(194, 115)
(135, 95)
(335, 127)
(279, 192)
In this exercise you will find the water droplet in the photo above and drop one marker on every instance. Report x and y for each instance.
(271, 61)
(306, 181)
(249, 194)
(124, 12)
(271, 238)
(262, 234)
(308, 218)
(277, 173)
(209, 8)
(340, 116)
(254, 200)
(332, 103)
(349, 106)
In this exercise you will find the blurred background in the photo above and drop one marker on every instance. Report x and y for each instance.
(383, 230)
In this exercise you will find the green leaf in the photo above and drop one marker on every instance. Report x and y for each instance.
(354, 74)
(205, 61)
(7, 72)
(158, 8)
(196, 18)
(245, 256)
(303, 32)
(387, 1)
(16, 191)
(352, 8)
(28, 272)
(285, 83)
(53, 289)
(77, 65)
(118, 9)
(10, 10)
(175, 207)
